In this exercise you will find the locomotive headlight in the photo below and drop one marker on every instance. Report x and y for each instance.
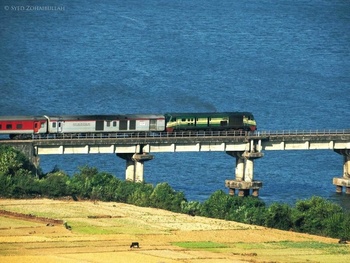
(249, 122)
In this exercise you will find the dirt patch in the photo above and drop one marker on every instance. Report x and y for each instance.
(103, 232)
(30, 217)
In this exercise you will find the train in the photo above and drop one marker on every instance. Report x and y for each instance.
(24, 127)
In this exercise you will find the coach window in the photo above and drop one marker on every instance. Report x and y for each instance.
(108, 123)
(0, 126)
(114, 124)
(9, 126)
(19, 126)
(54, 125)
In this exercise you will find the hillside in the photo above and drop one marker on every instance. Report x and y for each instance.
(43, 230)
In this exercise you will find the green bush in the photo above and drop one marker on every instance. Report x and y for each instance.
(279, 216)
(164, 197)
(17, 174)
(191, 208)
(13, 161)
(217, 206)
(249, 210)
(141, 194)
(55, 184)
(124, 191)
(311, 216)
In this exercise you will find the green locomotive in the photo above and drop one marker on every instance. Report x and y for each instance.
(210, 121)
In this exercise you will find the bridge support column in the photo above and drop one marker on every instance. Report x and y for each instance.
(345, 180)
(134, 165)
(244, 172)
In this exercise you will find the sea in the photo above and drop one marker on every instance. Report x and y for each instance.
(287, 62)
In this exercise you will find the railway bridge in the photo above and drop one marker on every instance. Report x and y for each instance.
(245, 147)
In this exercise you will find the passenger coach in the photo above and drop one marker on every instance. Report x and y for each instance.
(22, 127)
(105, 123)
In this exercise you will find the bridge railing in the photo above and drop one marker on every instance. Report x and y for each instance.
(133, 135)
(303, 132)
(188, 134)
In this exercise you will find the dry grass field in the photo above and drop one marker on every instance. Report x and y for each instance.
(103, 231)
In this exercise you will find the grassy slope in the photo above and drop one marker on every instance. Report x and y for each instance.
(103, 232)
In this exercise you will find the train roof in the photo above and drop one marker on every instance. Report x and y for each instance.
(211, 114)
(21, 118)
(82, 117)
(106, 117)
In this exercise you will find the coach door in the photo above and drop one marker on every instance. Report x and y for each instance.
(59, 126)
(99, 125)
(36, 126)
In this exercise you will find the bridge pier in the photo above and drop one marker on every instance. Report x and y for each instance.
(345, 180)
(244, 172)
(134, 165)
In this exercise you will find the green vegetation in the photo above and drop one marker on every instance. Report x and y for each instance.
(19, 179)
(324, 248)
(208, 245)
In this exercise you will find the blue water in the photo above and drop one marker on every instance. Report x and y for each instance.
(287, 61)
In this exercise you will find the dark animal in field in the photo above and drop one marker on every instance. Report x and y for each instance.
(135, 244)
(342, 241)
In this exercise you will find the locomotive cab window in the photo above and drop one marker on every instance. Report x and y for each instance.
(114, 124)
(54, 125)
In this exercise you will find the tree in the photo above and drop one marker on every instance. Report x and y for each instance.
(16, 173)
(164, 197)
(311, 215)
(141, 195)
(55, 184)
(124, 191)
(81, 182)
(12, 160)
(191, 208)
(218, 205)
(279, 216)
(249, 210)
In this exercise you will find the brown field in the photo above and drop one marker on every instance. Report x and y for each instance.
(103, 232)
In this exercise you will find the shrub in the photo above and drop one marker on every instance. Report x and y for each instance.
(279, 216)
(217, 206)
(164, 197)
(191, 208)
(55, 184)
(310, 216)
(141, 195)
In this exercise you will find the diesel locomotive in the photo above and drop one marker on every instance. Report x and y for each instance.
(23, 127)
